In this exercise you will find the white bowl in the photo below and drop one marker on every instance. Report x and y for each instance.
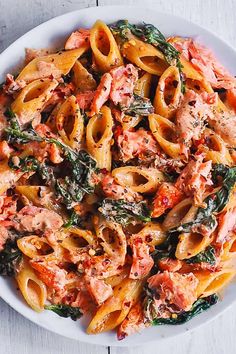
(52, 34)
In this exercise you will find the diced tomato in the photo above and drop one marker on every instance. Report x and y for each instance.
(101, 94)
(123, 82)
(53, 276)
(231, 98)
(133, 323)
(77, 39)
(142, 261)
(167, 196)
(98, 289)
(55, 154)
(174, 288)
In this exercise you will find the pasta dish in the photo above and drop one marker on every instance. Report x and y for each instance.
(118, 178)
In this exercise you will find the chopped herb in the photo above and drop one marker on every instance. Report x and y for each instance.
(139, 106)
(65, 311)
(47, 175)
(16, 136)
(124, 212)
(69, 191)
(25, 164)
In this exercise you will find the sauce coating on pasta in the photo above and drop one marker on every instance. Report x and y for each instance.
(118, 178)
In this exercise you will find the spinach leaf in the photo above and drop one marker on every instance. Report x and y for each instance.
(124, 212)
(65, 311)
(215, 202)
(16, 136)
(47, 174)
(82, 166)
(199, 306)
(9, 113)
(139, 106)
(72, 189)
(208, 256)
(25, 164)
(68, 191)
(167, 248)
(10, 258)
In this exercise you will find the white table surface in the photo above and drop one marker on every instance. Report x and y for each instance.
(18, 335)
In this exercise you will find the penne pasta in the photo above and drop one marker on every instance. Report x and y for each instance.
(210, 283)
(82, 79)
(34, 246)
(143, 85)
(104, 47)
(116, 308)
(32, 99)
(164, 132)
(54, 65)
(70, 124)
(141, 180)
(129, 122)
(217, 151)
(113, 240)
(99, 137)
(177, 214)
(168, 93)
(190, 244)
(8, 177)
(145, 56)
(33, 289)
(152, 234)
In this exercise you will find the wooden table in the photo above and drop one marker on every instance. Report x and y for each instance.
(20, 336)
